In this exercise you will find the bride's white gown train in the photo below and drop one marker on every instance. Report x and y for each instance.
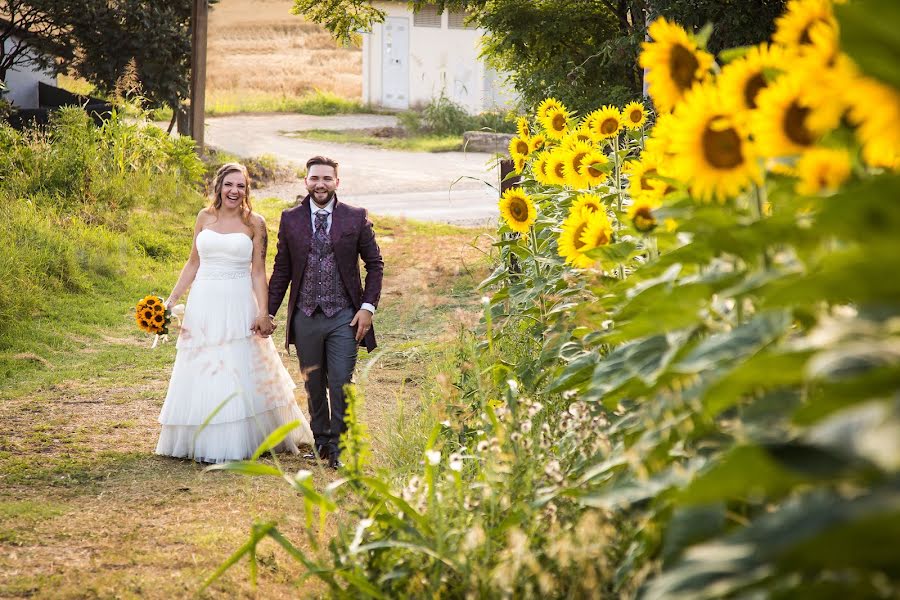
(219, 360)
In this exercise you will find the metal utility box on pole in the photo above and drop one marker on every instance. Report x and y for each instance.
(199, 19)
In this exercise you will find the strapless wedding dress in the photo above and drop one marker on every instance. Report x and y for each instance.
(223, 372)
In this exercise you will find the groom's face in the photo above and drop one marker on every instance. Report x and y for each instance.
(321, 181)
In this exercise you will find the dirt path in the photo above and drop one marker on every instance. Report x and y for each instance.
(88, 511)
(448, 187)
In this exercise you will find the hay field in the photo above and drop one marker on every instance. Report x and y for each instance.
(258, 52)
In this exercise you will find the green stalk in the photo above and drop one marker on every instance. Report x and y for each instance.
(537, 270)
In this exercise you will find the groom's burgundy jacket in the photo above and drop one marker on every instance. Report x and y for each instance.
(352, 237)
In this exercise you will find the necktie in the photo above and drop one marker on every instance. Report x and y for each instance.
(321, 220)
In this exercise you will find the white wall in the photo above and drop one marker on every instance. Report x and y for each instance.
(440, 59)
(22, 82)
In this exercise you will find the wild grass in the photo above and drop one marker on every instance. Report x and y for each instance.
(315, 102)
(416, 143)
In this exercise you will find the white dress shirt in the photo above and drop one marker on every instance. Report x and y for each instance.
(329, 208)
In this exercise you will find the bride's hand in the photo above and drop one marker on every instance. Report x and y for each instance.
(264, 325)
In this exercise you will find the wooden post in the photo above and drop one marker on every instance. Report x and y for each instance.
(199, 18)
(507, 166)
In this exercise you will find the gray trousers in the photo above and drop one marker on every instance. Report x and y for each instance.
(327, 350)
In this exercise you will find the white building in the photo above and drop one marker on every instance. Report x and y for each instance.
(412, 58)
(22, 80)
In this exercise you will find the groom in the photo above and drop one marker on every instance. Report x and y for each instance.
(330, 312)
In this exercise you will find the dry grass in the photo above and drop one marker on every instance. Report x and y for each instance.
(87, 509)
(256, 47)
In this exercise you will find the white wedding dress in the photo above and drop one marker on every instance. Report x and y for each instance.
(220, 360)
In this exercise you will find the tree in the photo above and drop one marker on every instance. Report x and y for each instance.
(584, 52)
(99, 40)
(24, 29)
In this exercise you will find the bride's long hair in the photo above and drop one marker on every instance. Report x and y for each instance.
(221, 174)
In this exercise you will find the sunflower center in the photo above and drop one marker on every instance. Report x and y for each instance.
(795, 125)
(559, 122)
(635, 115)
(805, 37)
(645, 182)
(578, 243)
(609, 126)
(721, 145)
(576, 160)
(519, 210)
(602, 238)
(594, 172)
(522, 147)
(558, 170)
(752, 88)
(643, 219)
(683, 65)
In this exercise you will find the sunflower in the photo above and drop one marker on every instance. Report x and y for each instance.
(741, 80)
(548, 104)
(822, 171)
(793, 28)
(555, 123)
(641, 214)
(147, 314)
(539, 169)
(519, 164)
(536, 142)
(523, 128)
(598, 231)
(711, 151)
(150, 300)
(158, 319)
(660, 140)
(875, 111)
(587, 202)
(555, 169)
(517, 209)
(159, 308)
(607, 123)
(642, 182)
(781, 124)
(569, 245)
(594, 168)
(576, 138)
(578, 150)
(675, 63)
(518, 147)
(145, 325)
(634, 115)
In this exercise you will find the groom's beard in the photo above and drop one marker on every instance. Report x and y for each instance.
(328, 197)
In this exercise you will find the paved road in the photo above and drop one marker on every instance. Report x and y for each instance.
(449, 187)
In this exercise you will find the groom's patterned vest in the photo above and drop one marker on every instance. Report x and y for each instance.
(322, 285)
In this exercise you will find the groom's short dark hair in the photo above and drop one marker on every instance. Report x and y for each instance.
(322, 160)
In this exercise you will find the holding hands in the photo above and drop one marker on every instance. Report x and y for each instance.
(264, 325)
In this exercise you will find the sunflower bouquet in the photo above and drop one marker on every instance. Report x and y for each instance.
(153, 317)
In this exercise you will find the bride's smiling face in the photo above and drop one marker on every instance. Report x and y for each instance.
(234, 190)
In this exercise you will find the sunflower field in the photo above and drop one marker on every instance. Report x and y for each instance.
(686, 384)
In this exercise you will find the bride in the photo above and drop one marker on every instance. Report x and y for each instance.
(227, 373)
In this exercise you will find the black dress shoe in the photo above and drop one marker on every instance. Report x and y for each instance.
(334, 461)
(320, 451)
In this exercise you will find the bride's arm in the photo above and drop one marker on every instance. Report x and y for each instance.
(190, 267)
(258, 274)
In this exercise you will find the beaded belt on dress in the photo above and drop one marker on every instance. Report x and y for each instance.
(222, 274)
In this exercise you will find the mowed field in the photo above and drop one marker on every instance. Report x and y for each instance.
(258, 50)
